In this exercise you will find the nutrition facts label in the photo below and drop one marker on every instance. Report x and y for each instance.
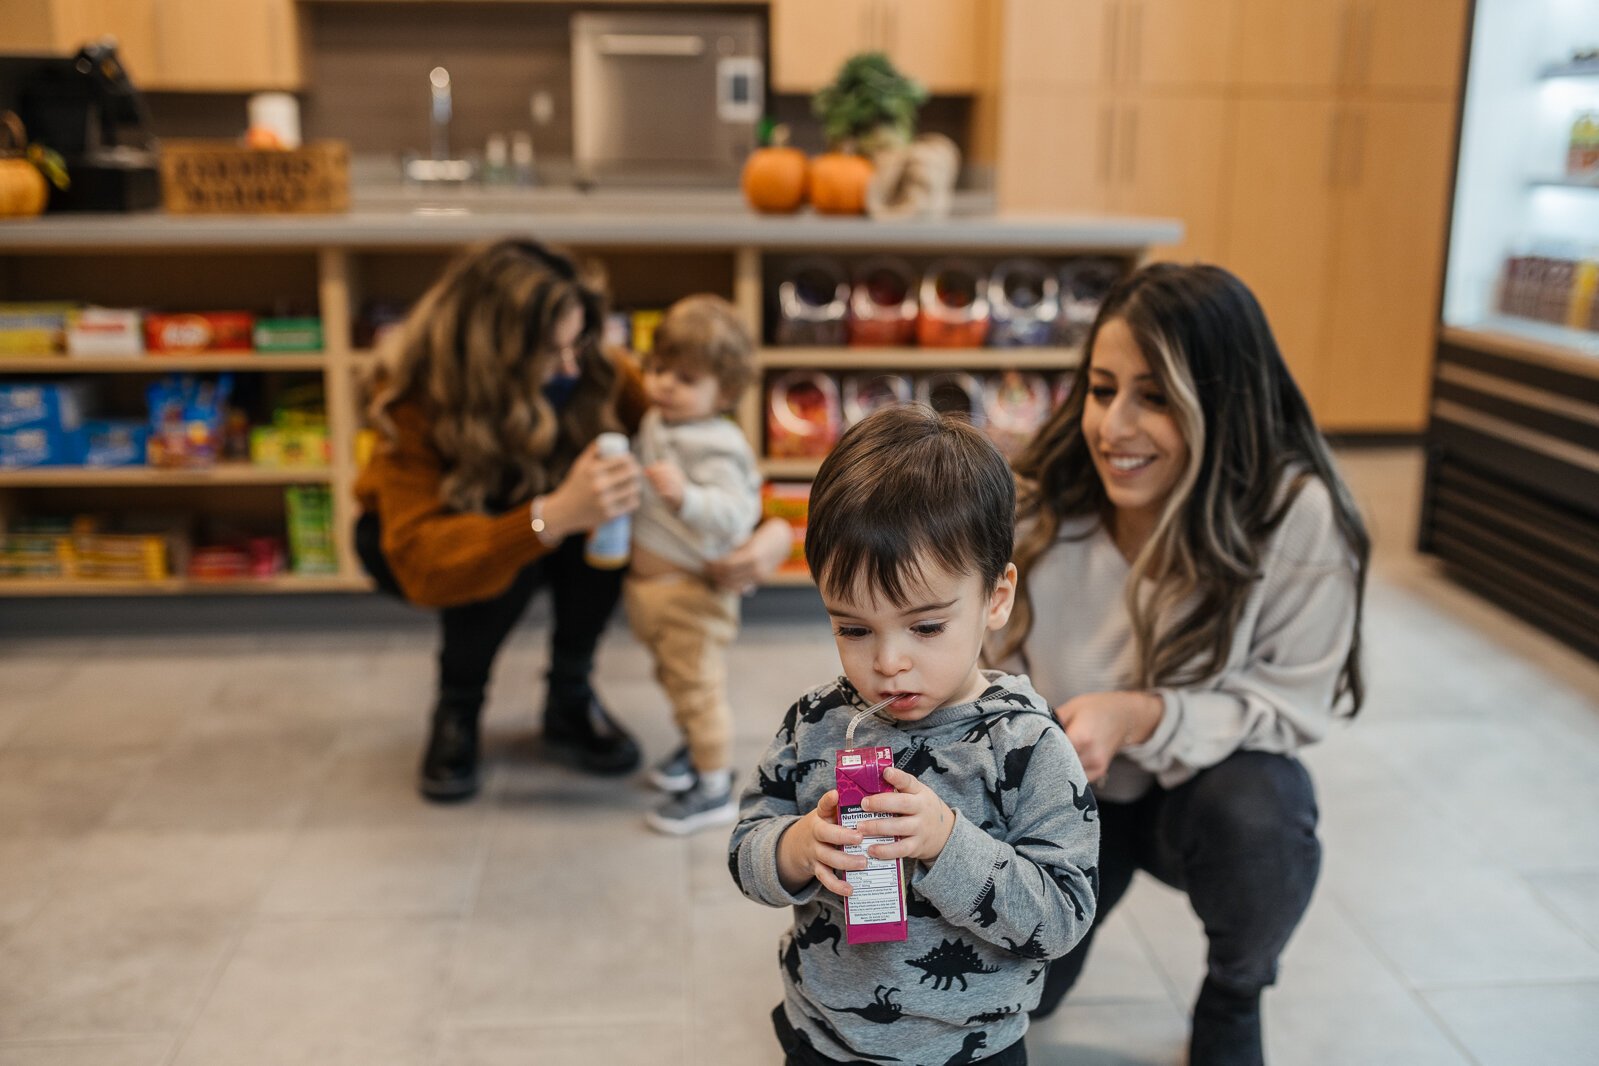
(876, 895)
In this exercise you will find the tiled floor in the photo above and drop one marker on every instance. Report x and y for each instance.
(211, 855)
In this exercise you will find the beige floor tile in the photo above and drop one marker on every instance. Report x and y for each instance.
(1110, 1034)
(30, 868)
(98, 1053)
(108, 702)
(220, 782)
(377, 872)
(734, 981)
(1303, 1028)
(1573, 896)
(349, 992)
(61, 793)
(1516, 1025)
(370, 782)
(615, 1044)
(1120, 968)
(131, 936)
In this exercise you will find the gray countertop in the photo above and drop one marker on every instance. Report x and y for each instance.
(716, 219)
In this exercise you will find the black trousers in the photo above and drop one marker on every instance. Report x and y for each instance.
(1240, 839)
(584, 599)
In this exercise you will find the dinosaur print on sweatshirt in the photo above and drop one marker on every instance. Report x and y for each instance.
(973, 1043)
(988, 1017)
(1029, 948)
(881, 1010)
(951, 961)
(820, 931)
(1084, 801)
(918, 759)
(983, 909)
(1013, 770)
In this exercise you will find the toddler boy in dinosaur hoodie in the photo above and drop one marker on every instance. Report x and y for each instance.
(909, 539)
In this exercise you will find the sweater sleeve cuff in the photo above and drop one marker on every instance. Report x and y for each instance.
(957, 877)
(757, 866)
(693, 507)
(1147, 754)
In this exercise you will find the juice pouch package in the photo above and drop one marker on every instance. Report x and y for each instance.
(874, 912)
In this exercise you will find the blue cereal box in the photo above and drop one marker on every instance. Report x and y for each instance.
(47, 405)
(112, 442)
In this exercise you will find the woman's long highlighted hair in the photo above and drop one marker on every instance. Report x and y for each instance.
(1248, 431)
(476, 351)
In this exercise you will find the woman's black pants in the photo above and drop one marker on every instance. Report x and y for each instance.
(584, 599)
(1240, 839)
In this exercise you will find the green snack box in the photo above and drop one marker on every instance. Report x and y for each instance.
(288, 335)
(310, 526)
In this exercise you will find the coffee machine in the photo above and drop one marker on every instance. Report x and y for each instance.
(86, 108)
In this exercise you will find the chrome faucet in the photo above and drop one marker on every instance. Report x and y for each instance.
(439, 81)
(440, 167)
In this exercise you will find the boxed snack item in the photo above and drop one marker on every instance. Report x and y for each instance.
(290, 446)
(954, 305)
(104, 331)
(865, 393)
(308, 511)
(113, 442)
(34, 547)
(119, 556)
(812, 303)
(1025, 301)
(874, 911)
(803, 416)
(288, 335)
(54, 405)
(643, 330)
(186, 417)
(194, 333)
(790, 501)
(34, 328)
(37, 446)
(882, 304)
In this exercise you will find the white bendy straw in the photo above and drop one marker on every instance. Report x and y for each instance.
(849, 734)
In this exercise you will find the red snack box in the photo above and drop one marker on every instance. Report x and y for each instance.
(204, 331)
(874, 912)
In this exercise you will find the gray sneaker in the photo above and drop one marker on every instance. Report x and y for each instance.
(689, 812)
(675, 773)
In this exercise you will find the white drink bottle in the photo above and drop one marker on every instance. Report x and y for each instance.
(610, 546)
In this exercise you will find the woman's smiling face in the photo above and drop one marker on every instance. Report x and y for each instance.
(1128, 426)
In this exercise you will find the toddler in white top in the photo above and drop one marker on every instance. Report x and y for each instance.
(701, 500)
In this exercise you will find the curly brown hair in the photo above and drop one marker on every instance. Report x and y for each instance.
(476, 352)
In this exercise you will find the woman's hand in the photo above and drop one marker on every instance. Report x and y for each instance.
(666, 477)
(920, 820)
(752, 562)
(595, 491)
(813, 847)
(1100, 724)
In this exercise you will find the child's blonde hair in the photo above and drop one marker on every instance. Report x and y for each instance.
(705, 334)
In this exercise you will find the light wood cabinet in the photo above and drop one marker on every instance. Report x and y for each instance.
(1169, 158)
(1299, 45)
(940, 43)
(1413, 45)
(1174, 43)
(172, 45)
(1057, 42)
(1381, 305)
(1066, 139)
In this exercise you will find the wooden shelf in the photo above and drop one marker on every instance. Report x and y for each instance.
(141, 476)
(181, 586)
(790, 469)
(790, 579)
(159, 364)
(976, 360)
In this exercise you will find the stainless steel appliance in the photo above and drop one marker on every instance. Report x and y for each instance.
(665, 97)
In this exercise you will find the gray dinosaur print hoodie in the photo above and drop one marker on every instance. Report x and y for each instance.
(1015, 886)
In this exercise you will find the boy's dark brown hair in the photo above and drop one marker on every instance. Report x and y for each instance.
(907, 488)
(704, 334)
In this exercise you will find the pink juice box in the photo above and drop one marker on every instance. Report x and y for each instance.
(874, 912)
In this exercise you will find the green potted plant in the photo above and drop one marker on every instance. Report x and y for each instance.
(869, 106)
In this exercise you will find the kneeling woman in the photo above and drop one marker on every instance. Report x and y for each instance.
(1192, 577)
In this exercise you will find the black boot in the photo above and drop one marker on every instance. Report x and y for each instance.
(1226, 1028)
(449, 767)
(579, 730)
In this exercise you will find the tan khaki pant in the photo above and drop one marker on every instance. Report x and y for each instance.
(687, 623)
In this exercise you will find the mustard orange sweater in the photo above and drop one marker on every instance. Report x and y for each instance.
(439, 556)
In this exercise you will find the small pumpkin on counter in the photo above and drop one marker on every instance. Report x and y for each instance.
(838, 183)
(23, 191)
(776, 177)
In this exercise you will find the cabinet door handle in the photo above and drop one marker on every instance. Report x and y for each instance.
(1113, 19)
(1130, 144)
(1135, 41)
(1107, 134)
(1344, 74)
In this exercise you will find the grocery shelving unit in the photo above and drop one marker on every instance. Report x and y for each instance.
(1511, 494)
(339, 264)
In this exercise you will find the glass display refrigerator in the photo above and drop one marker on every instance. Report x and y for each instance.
(1511, 493)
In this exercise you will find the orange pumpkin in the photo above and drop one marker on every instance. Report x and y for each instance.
(774, 179)
(23, 191)
(838, 183)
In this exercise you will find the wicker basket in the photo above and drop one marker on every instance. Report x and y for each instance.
(221, 177)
